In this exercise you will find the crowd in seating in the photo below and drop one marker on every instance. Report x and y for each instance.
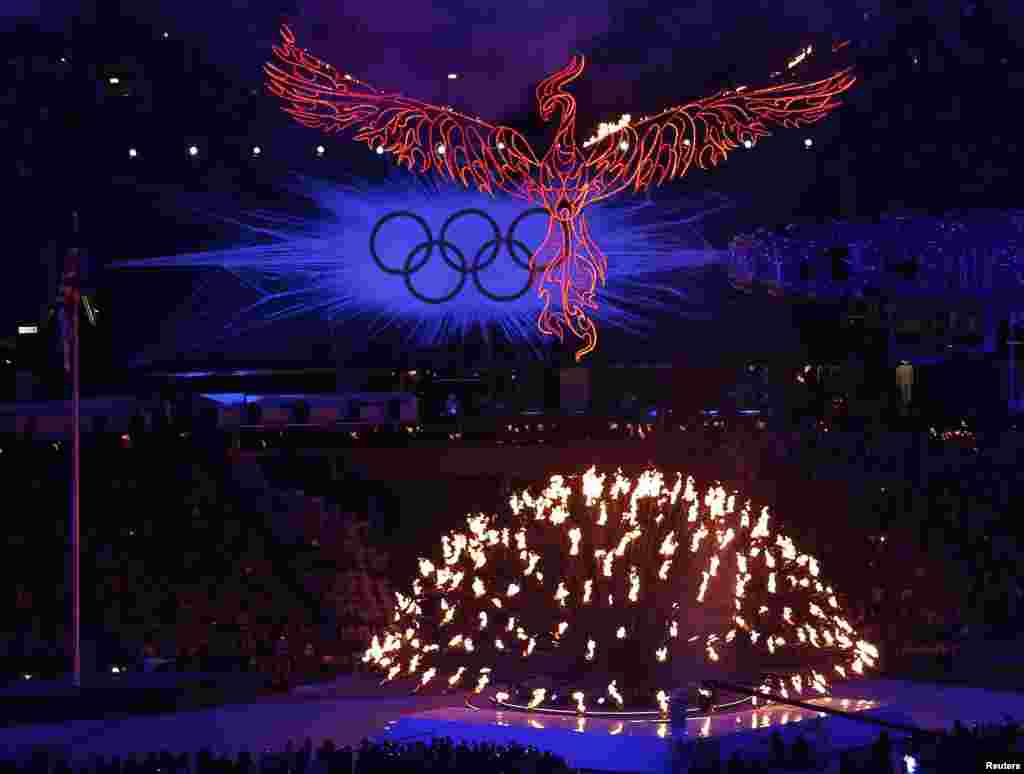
(956, 503)
(368, 758)
(189, 574)
(952, 253)
(241, 588)
(968, 748)
(960, 750)
(706, 758)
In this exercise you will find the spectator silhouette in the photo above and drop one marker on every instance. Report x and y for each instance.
(801, 754)
(777, 749)
(203, 760)
(846, 764)
(166, 762)
(881, 754)
(39, 762)
(325, 751)
(342, 761)
(304, 755)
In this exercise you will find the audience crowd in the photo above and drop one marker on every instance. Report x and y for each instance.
(192, 577)
(955, 752)
(368, 758)
(960, 750)
(187, 579)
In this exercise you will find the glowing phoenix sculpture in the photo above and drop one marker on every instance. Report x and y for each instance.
(568, 178)
(624, 578)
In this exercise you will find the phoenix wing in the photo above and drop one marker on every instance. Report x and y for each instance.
(703, 133)
(420, 135)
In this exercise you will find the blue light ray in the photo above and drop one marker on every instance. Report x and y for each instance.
(320, 265)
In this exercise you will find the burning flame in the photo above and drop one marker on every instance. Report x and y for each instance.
(639, 521)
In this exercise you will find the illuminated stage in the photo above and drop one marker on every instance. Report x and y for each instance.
(608, 744)
(354, 707)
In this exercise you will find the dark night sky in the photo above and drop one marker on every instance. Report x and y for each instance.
(501, 49)
(641, 58)
(939, 152)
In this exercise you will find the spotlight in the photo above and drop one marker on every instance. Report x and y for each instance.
(380, 150)
(808, 142)
(623, 145)
(452, 76)
(193, 151)
(132, 153)
(748, 144)
(256, 150)
(166, 35)
(501, 146)
(440, 150)
(114, 80)
(320, 150)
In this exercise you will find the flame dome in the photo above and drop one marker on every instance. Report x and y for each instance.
(623, 588)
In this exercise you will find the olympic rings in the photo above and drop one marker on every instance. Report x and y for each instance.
(412, 264)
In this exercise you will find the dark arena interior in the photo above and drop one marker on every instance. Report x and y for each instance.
(531, 388)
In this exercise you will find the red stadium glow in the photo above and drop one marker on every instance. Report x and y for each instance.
(617, 585)
(623, 155)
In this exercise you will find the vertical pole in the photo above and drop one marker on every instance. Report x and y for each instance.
(1011, 366)
(1012, 403)
(75, 524)
(75, 470)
